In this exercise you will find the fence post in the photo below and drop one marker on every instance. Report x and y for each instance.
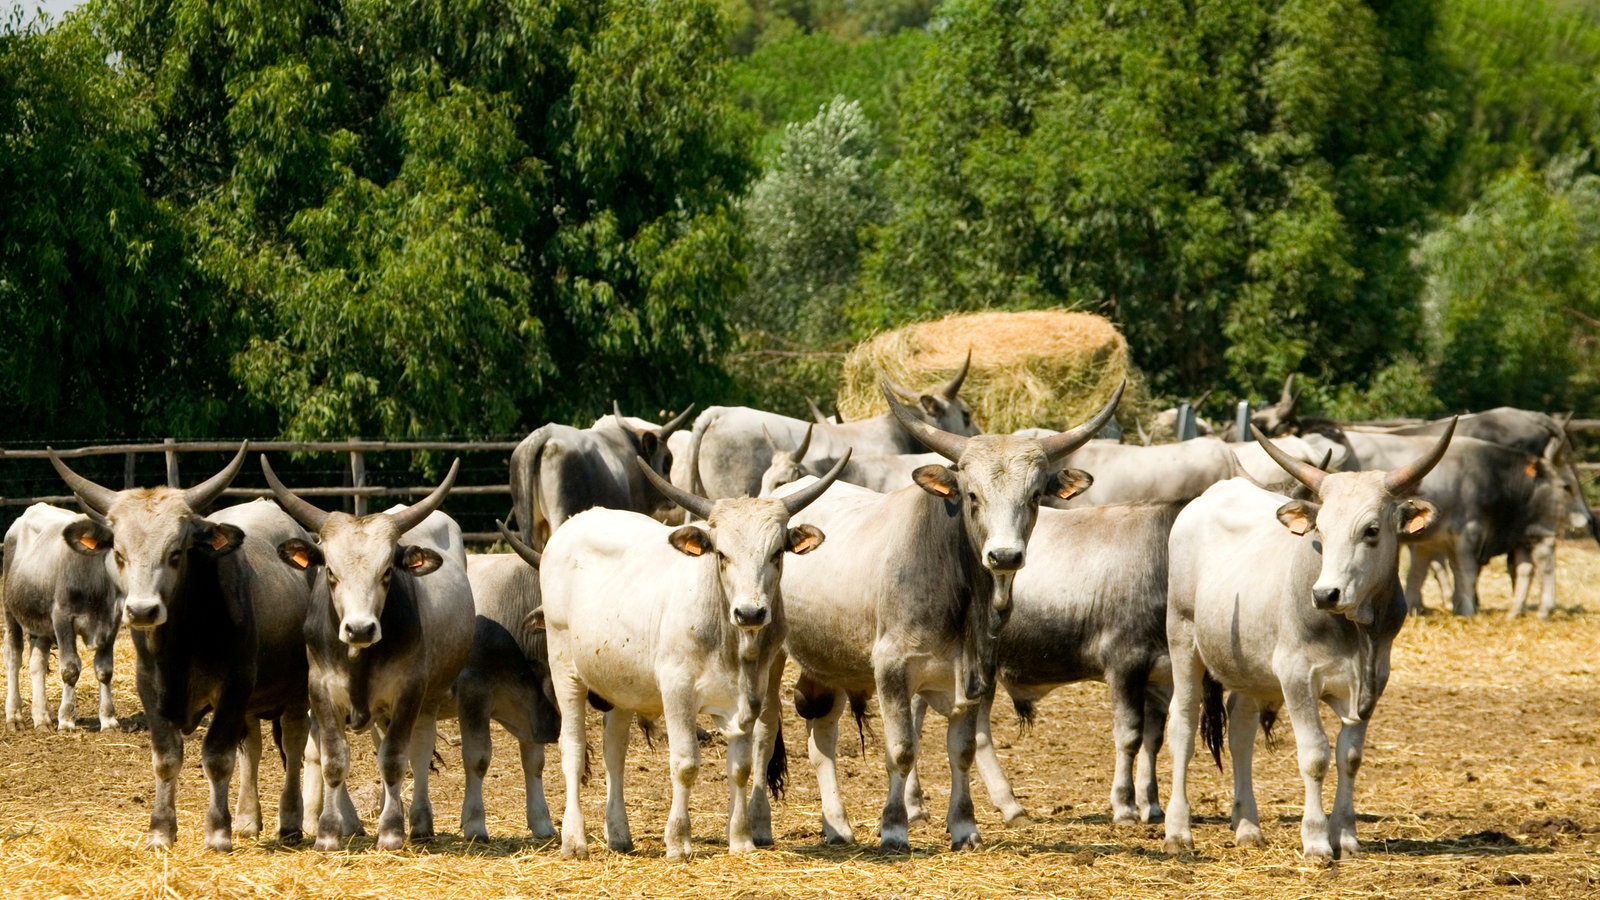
(172, 462)
(358, 479)
(1241, 421)
(1186, 427)
(127, 471)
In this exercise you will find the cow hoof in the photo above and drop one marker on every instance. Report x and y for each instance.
(327, 843)
(1125, 818)
(1153, 816)
(574, 850)
(621, 845)
(1178, 844)
(110, 724)
(965, 842)
(391, 840)
(1251, 837)
(543, 831)
(1020, 820)
(291, 837)
(476, 836)
(67, 725)
(248, 831)
(916, 817)
(834, 838)
(741, 847)
(763, 840)
(895, 844)
(158, 841)
(221, 843)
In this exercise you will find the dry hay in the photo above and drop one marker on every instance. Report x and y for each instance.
(1034, 369)
(1481, 778)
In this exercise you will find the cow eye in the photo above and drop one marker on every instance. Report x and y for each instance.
(175, 558)
(385, 579)
(972, 498)
(1370, 533)
(332, 578)
(120, 560)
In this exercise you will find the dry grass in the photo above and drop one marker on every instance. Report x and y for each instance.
(1038, 369)
(1489, 727)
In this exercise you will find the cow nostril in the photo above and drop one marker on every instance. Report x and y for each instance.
(750, 615)
(1004, 560)
(1325, 598)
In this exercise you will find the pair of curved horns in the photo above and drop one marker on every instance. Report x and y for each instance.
(950, 389)
(313, 518)
(700, 506)
(528, 554)
(951, 446)
(1397, 481)
(99, 497)
(662, 432)
(799, 452)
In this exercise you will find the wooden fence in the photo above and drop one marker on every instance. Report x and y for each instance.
(356, 488)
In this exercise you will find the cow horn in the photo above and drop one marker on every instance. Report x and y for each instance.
(94, 496)
(299, 509)
(616, 413)
(1303, 472)
(1406, 478)
(1057, 446)
(1287, 399)
(677, 422)
(953, 386)
(771, 444)
(201, 495)
(412, 516)
(899, 391)
(950, 446)
(802, 498)
(696, 505)
(528, 554)
(817, 414)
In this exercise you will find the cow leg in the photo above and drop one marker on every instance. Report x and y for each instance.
(248, 808)
(218, 753)
(104, 666)
(1544, 561)
(1127, 729)
(1464, 598)
(1244, 715)
(472, 708)
(14, 653)
(570, 697)
(333, 752)
(1520, 564)
(994, 777)
(821, 708)
(684, 751)
(768, 729)
(424, 736)
(38, 668)
(1148, 794)
(166, 758)
(615, 747)
(1182, 718)
(71, 667)
(295, 728)
(899, 752)
(1312, 745)
(961, 742)
(1417, 561)
(740, 839)
(916, 811)
(1352, 741)
(536, 809)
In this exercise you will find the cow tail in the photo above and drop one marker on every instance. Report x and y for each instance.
(1025, 712)
(1269, 718)
(778, 767)
(277, 741)
(1214, 717)
(696, 435)
(858, 708)
(524, 483)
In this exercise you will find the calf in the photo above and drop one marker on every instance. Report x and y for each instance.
(1287, 613)
(909, 598)
(55, 596)
(388, 630)
(216, 629)
(672, 623)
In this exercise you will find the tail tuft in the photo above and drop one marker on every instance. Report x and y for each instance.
(1214, 718)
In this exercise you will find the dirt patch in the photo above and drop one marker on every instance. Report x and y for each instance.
(1482, 776)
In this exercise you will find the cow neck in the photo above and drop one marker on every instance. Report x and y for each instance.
(402, 635)
(202, 632)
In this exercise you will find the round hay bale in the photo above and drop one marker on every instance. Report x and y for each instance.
(1031, 369)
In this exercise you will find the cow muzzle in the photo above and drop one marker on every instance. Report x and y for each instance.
(751, 616)
(360, 632)
(144, 613)
(1003, 559)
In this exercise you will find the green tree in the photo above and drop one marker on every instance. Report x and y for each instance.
(1235, 183)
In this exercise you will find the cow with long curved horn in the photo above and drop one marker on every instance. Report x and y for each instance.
(216, 625)
(1288, 604)
(389, 629)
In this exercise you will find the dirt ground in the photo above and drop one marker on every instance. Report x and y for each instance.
(1482, 776)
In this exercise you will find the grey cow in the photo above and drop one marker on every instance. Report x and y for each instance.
(732, 446)
(1287, 603)
(389, 628)
(908, 597)
(216, 624)
(53, 597)
(559, 471)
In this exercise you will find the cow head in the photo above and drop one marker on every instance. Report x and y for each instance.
(359, 554)
(940, 406)
(748, 537)
(1360, 519)
(149, 533)
(651, 442)
(1277, 418)
(785, 467)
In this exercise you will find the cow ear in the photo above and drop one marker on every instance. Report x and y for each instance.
(534, 621)
(216, 538)
(300, 554)
(649, 443)
(88, 537)
(1068, 483)
(1416, 514)
(1299, 516)
(930, 405)
(690, 541)
(937, 480)
(805, 538)
(417, 561)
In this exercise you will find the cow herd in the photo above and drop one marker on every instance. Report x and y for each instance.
(668, 575)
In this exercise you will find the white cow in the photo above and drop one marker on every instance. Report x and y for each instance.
(668, 623)
(1287, 603)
